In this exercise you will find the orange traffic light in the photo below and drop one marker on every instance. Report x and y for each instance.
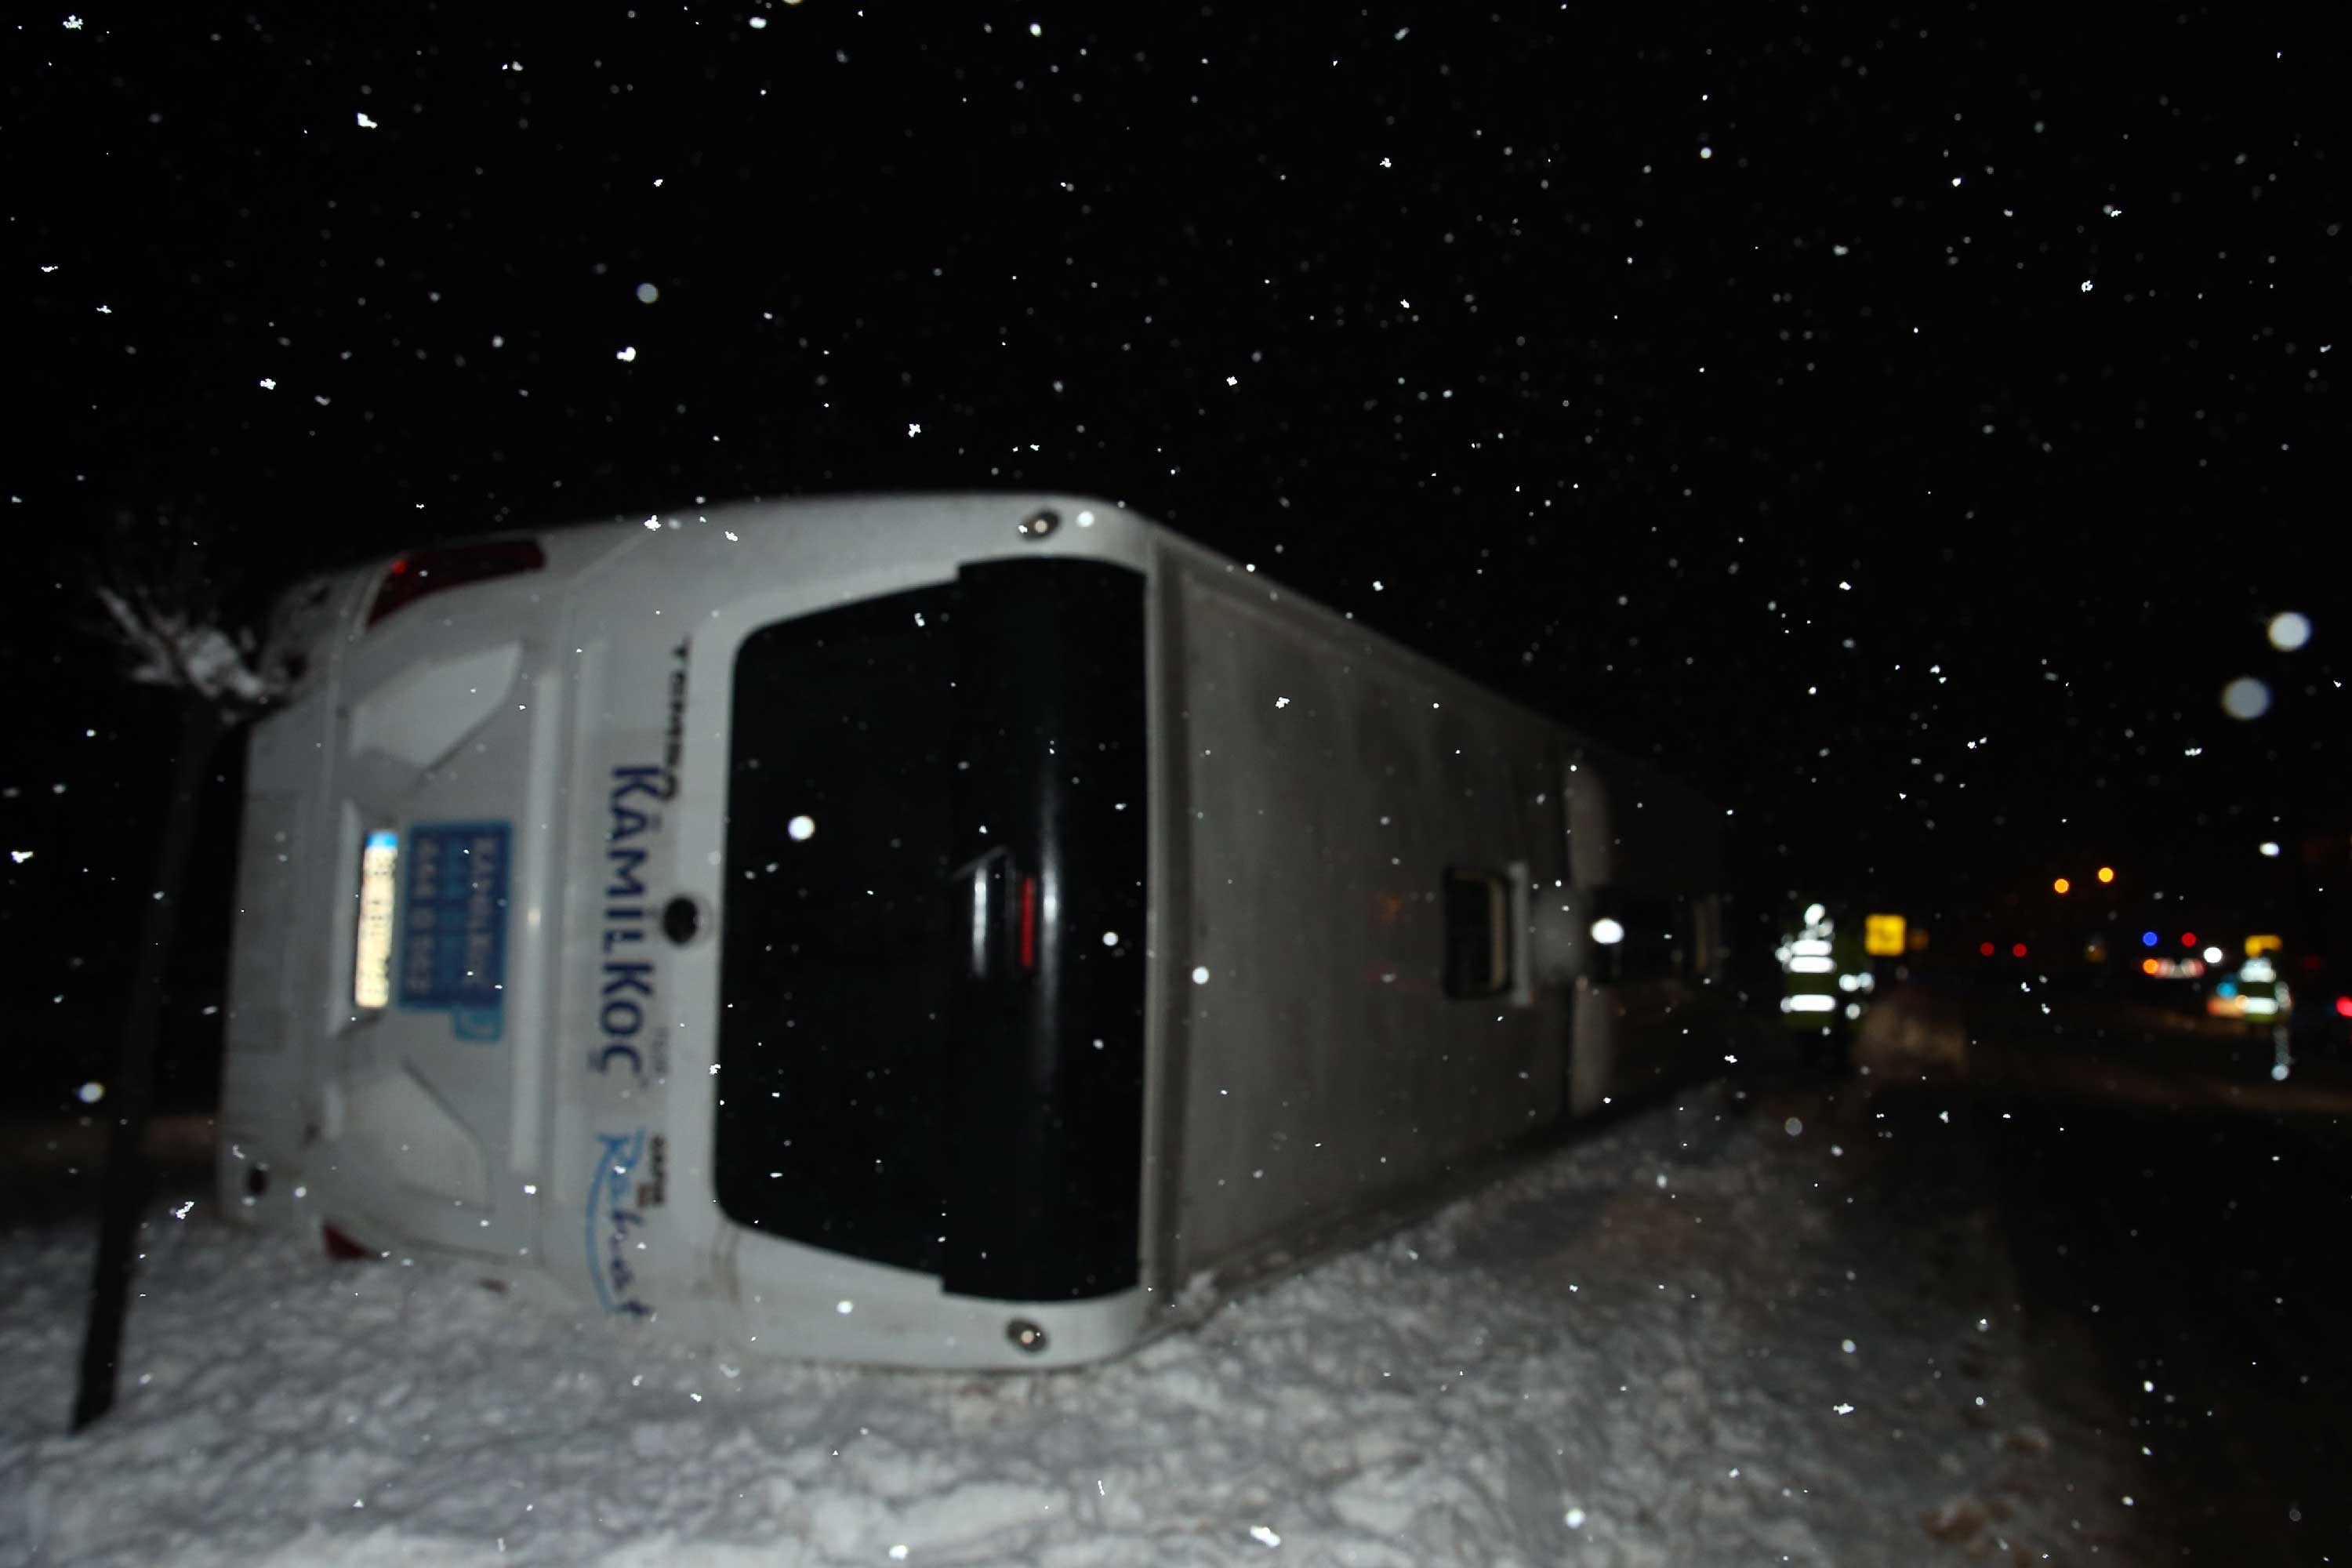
(2106, 873)
(2061, 885)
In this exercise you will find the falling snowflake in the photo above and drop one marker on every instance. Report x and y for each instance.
(365, 124)
(2245, 698)
(2289, 630)
(627, 356)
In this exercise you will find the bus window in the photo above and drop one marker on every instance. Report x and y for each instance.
(835, 959)
(1477, 934)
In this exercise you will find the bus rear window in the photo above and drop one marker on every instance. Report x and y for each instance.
(909, 1073)
(835, 956)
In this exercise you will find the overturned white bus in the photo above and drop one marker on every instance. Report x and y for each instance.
(939, 930)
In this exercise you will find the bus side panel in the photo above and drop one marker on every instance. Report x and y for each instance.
(1331, 785)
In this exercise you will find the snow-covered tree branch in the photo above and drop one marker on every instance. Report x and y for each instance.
(164, 609)
(171, 647)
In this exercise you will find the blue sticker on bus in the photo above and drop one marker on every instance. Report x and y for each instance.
(453, 953)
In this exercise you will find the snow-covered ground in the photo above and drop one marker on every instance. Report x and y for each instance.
(1703, 1334)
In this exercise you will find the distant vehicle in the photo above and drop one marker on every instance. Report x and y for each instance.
(2253, 991)
(953, 932)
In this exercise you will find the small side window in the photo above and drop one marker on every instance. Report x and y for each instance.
(1477, 933)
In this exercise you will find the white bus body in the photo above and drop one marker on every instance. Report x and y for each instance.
(966, 930)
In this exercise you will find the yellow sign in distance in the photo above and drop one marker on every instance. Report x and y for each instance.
(1882, 935)
(2258, 945)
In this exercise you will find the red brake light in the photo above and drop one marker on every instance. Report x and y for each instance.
(420, 573)
(2344, 1007)
(1985, 948)
(1028, 923)
(2017, 949)
(341, 1247)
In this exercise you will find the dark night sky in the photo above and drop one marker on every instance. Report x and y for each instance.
(1796, 399)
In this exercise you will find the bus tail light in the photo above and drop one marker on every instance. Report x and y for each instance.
(421, 573)
(341, 1247)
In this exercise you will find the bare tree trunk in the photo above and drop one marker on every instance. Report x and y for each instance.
(133, 1090)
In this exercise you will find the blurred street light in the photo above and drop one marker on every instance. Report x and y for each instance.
(2106, 873)
(2061, 885)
